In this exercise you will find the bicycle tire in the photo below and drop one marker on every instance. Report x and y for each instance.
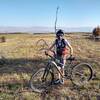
(36, 83)
(77, 73)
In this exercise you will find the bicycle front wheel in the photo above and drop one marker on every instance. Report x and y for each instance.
(37, 83)
(82, 74)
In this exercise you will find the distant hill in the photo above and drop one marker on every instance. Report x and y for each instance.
(42, 29)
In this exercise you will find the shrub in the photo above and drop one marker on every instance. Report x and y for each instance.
(2, 39)
(96, 31)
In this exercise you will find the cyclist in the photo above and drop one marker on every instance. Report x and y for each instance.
(61, 51)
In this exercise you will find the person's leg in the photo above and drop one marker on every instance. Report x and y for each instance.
(59, 58)
(58, 78)
(63, 61)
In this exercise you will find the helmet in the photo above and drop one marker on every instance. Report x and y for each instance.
(59, 33)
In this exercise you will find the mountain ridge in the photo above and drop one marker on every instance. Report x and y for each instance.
(40, 29)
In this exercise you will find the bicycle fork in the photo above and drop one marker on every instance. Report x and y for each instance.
(46, 72)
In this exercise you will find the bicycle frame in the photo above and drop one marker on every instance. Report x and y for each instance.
(48, 68)
(57, 67)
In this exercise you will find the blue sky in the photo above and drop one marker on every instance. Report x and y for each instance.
(28, 13)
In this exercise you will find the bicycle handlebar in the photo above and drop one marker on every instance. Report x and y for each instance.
(71, 58)
(49, 55)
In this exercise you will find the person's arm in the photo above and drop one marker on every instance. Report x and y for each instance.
(70, 47)
(50, 48)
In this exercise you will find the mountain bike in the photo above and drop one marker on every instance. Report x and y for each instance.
(80, 74)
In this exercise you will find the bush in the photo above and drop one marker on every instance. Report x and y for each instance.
(2, 39)
(96, 31)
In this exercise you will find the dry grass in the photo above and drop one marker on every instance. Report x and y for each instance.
(22, 59)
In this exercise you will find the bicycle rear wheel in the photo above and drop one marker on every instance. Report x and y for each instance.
(82, 74)
(37, 83)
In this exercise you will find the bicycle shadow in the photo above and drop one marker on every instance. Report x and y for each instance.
(16, 73)
(21, 65)
(59, 92)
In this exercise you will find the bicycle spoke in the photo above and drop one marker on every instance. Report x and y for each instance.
(81, 74)
(38, 83)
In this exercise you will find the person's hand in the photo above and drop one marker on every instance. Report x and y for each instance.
(46, 52)
(71, 55)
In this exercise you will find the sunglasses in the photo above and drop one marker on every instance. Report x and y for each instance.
(60, 35)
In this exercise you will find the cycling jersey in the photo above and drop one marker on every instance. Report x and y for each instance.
(61, 46)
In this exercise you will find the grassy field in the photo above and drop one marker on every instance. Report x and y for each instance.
(19, 58)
